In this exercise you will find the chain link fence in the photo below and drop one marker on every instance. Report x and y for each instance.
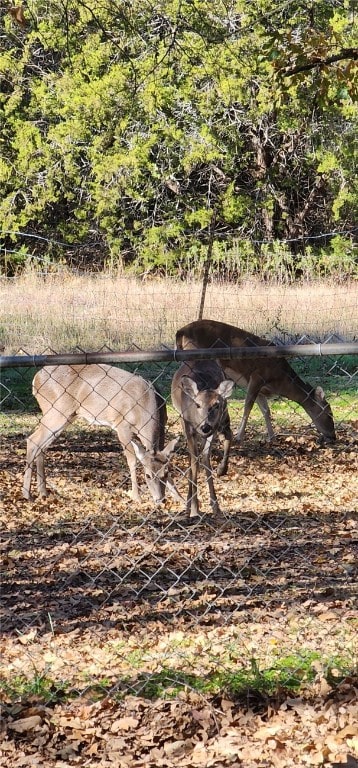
(106, 593)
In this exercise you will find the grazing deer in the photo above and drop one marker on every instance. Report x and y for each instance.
(107, 396)
(199, 393)
(260, 376)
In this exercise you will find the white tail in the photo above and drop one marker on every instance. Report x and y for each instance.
(260, 376)
(107, 396)
(199, 394)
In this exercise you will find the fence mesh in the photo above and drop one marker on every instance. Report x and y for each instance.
(107, 597)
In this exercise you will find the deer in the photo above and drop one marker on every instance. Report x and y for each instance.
(199, 393)
(107, 396)
(261, 377)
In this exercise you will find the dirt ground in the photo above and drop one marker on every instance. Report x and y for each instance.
(107, 598)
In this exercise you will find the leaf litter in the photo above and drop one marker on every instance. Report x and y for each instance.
(138, 623)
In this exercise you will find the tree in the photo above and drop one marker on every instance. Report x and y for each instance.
(124, 125)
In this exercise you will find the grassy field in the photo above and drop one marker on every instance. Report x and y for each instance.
(64, 313)
(132, 638)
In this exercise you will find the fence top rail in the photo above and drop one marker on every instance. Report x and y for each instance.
(179, 355)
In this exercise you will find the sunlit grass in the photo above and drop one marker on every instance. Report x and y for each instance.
(64, 313)
(288, 674)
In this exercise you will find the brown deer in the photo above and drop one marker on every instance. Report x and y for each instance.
(260, 376)
(107, 396)
(199, 393)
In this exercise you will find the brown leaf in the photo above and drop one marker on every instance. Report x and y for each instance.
(25, 724)
(124, 724)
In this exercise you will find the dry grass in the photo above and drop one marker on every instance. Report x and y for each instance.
(64, 312)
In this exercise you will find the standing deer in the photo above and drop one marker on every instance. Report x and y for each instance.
(199, 393)
(260, 376)
(107, 396)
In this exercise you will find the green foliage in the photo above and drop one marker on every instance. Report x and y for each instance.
(40, 686)
(15, 389)
(340, 258)
(123, 127)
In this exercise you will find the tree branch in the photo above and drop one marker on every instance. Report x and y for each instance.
(345, 53)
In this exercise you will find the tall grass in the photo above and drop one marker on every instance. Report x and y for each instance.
(66, 312)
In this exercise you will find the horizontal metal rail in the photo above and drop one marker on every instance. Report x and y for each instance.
(179, 355)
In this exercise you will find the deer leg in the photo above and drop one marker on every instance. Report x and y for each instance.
(192, 504)
(252, 393)
(41, 476)
(265, 410)
(37, 444)
(132, 464)
(28, 471)
(209, 475)
(222, 467)
(249, 402)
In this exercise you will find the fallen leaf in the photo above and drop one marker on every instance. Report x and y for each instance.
(124, 724)
(25, 724)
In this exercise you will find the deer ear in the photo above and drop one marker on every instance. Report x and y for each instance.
(225, 388)
(139, 450)
(319, 393)
(170, 448)
(189, 387)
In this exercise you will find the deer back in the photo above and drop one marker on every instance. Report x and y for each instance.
(105, 395)
(267, 376)
(275, 374)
